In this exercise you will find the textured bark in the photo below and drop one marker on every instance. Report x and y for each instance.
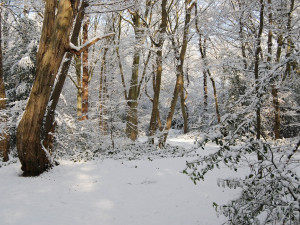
(53, 45)
(85, 73)
(132, 116)
(4, 137)
(157, 85)
(205, 91)
(49, 127)
(132, 99)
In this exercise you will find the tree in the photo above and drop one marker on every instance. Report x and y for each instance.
(85, 72)
(269, 192)
(34, 158)
(203, 51)
(159, 69)
(49, 124)
(138, 20)
(133, 92)
(4, 137)
(57, 24)
(179, 86)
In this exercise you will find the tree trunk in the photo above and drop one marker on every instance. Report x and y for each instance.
(157, 85)
(215, 97)
(276, 112)
(132, 100)
(274, 90)
(184, 111)
(179, 73)
(202, 49)
(132, 113)
(49, 127)
(85, 73)
(242, 37)
(4, 137)
(102, 95)
(53, 44)
(256, 69)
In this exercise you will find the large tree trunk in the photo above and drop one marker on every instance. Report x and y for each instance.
(53, 44)
(132, 102)
(4, 137)
(85, 73)
(132, 99)
(49, 127)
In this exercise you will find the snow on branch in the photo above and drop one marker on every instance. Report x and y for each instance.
(79, 49)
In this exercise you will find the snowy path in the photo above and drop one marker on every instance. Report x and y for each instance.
(111, 192)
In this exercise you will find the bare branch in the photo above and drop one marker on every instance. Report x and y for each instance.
(78, 50)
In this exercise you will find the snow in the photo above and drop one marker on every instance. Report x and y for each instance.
(113, 192)
(78, 48)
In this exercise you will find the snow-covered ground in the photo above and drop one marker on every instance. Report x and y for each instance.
(113, 192)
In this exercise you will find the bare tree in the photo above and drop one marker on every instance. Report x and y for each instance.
(54, 43)
(159, 69)
(4, 137)
(179, 86)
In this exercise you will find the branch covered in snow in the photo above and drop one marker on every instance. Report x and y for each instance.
(79, 49)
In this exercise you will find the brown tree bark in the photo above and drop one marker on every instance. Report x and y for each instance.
(132, 99)
(179, 72)
(157, 85)
(49, 126)
(4, 137)
(215, 97)
(85, 73)
(276, 105)
(102, 95)
(54, 43)
(184, 111)
(133, 94)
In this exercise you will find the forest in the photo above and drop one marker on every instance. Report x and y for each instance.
(215, 83)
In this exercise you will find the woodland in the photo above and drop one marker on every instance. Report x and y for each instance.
(80, 79)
